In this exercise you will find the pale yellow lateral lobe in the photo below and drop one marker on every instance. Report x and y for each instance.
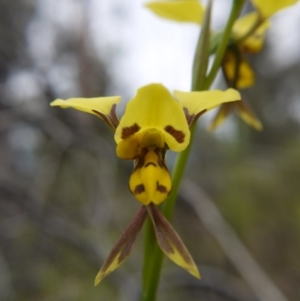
(200, 101)
(267, 8)
(154, 109)
(170, 242)
(180, 11)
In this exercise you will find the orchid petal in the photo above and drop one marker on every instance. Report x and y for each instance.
(245, 77)
(103, 107)
(170, 242)
(154, 113)
(223, 112)
(243, 110)
(180, 11)
(196, 103)
(123, 247)
(254, 42)
(247, 114)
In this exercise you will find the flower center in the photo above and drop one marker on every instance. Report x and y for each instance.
(151, 137)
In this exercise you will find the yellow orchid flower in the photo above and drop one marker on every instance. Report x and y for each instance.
(154, 121)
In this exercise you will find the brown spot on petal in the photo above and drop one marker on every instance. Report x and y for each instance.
(128, 131)
(161, 188)
(178, 135)
(139, 189)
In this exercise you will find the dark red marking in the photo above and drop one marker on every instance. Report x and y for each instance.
(178, 135)
(161, 188)
(127, 132)
(139, 189)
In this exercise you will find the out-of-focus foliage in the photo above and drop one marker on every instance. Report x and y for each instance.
(63, 197)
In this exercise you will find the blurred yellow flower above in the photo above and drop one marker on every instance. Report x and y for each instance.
(248, 35)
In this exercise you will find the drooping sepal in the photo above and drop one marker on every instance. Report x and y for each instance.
(223, 112)
(243, 110)
(248, 115)
(196, 103)
(170, 242)
(150, 180)
(123, 247)
(180, 11)
(103, 107)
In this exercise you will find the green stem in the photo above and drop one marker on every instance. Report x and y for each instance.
(235, 11)
(148, 251)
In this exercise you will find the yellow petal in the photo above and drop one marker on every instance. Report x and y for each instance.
(255, 41)
(244, 111)
(150, 180)
(245, 78)
(221, 115)
(181, 11)
(123, 247)
(154, 109)
(247, 114)
(269, 7)
(170, 242)
(103, 107)
(130, 148)
(196, 103)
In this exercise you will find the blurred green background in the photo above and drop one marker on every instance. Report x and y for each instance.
(64, 197)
